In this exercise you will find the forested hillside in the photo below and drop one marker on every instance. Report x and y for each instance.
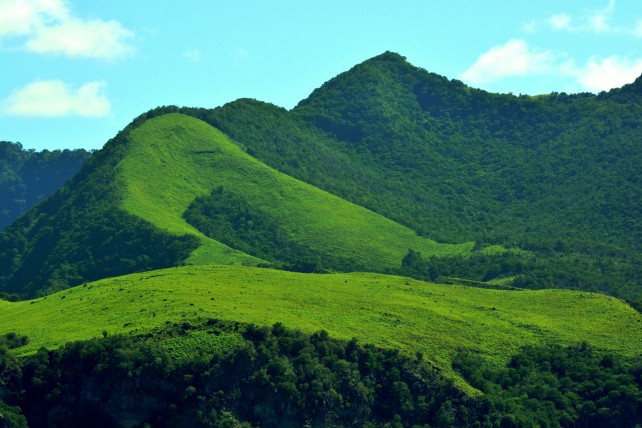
(28, 177)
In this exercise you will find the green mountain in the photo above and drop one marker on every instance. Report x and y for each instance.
(554, 174)
(145, 200)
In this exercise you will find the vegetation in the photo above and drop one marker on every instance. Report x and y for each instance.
(272, 377)
(28, 177)
(387, 311)
(558, 386)
(246, 375)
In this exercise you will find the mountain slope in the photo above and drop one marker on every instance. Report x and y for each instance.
(153, 172)
(388, 311)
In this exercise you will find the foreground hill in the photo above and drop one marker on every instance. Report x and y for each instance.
(444, 355)
(389, 311)
(145, 200)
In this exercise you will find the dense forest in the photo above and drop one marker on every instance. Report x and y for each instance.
(28, 177)
(246, 375)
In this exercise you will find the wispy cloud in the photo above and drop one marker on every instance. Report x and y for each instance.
(54, 98)
(595, 21)
(561, 21)
(601, 74)
(517, 58)
(49, 27)
(243, 54)
(513, 58)
(637, 30)
(599, 20)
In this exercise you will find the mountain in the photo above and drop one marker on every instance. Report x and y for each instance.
(28, 176)
(145, 200)
(465, 162)
(555, 174)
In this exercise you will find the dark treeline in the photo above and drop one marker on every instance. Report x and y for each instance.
(276, 377)
(558, 387)
(273, 377)
(232, 220)
(532, 271)
(27, 176)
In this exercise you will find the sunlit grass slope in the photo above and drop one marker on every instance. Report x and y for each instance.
(172, 159)
(384, 310)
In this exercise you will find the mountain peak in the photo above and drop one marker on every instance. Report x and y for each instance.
(389, 57)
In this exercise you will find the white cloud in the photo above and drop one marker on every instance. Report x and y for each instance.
(48, 27)
(559, 22)
(597, 21)
(76, 38)
(20, 17)
(602, 74)
(54, 98)
(514, 58)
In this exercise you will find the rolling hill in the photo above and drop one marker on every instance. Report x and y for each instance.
(388, 311)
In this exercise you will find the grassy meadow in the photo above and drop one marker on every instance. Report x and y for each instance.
(388, 311)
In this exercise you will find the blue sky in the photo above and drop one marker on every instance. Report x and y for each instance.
(73, 73)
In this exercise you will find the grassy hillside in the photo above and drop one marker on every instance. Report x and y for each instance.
(172, 159)
(393, 312)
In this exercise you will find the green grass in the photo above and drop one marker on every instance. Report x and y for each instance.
(172, 159)
(388, 311)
